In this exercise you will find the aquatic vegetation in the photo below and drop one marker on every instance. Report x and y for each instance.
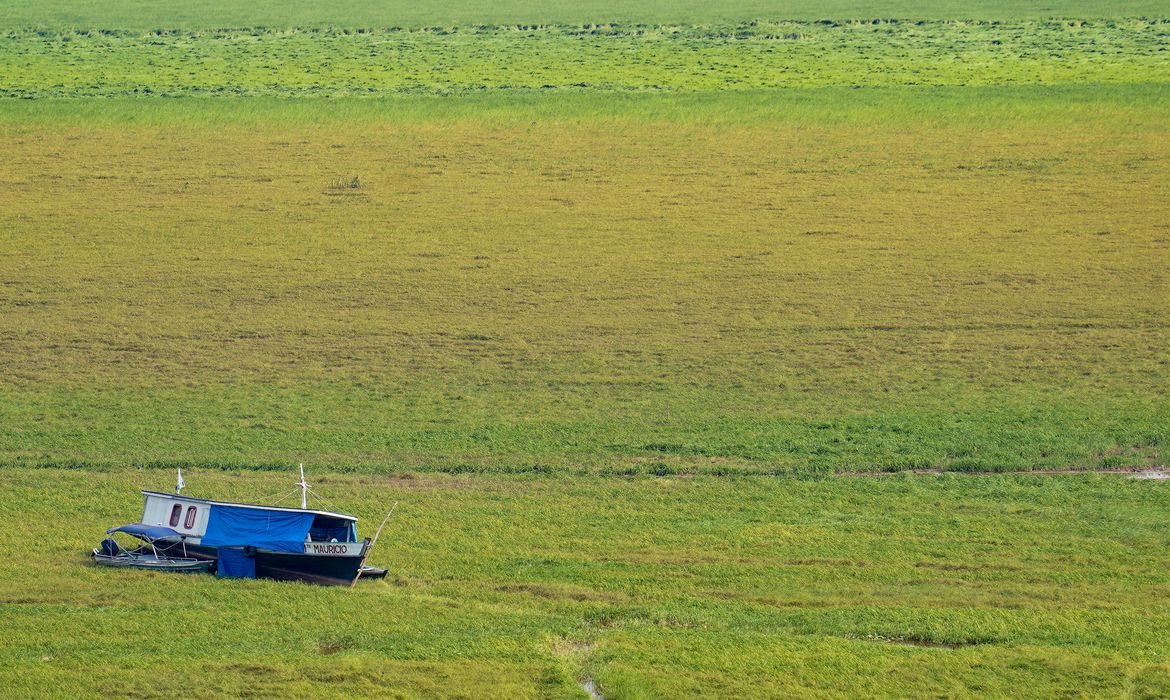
(746, 56)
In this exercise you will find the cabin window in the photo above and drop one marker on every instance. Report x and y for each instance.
(176, 511)
(325, 529)
(190, 521)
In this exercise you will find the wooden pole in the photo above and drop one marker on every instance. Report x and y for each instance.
(366, 552)
(384, 520)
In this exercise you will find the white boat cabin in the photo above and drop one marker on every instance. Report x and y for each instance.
(330, 533)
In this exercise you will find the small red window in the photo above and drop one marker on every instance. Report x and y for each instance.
(176, 511)
(190, 521)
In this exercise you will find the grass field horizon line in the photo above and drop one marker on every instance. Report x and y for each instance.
(601, 28)
(645, 470)
(153, 13)
(926, 105)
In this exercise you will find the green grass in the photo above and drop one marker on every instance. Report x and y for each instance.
(1122, 106)
(553, 244)
(747, 56)
(153, 14)
(840, 281)
(519, 587)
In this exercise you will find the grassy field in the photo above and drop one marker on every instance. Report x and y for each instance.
(968, 279)
(215, 14)
(736, 247)
(516, 587)
(503, 262)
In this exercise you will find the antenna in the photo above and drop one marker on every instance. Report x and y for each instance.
(304, 489)
(179, 483)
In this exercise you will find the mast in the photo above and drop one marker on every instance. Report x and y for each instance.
(304, 489)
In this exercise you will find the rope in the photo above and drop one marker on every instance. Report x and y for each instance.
(261, 499)
(326, 501)
(285, 496)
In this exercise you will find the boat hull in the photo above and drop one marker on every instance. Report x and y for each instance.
(321, 570)
(151, 563)
(325, 570)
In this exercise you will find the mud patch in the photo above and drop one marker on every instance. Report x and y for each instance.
(560, 593)
(329, 647)
(913, 641)
(406, 480)
(1136, 473)
(964, 568)
(823, 562)
(773, 602)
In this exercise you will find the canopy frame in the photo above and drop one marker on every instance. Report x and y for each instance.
(150, 534)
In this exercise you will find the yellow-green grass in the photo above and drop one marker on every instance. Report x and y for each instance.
(840, 280)
(902, 586)
(214, 14)
(747, 55)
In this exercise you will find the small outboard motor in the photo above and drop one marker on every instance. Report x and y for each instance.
(110, 548)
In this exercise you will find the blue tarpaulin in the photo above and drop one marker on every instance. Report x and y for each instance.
(278, 530)
(233, 563)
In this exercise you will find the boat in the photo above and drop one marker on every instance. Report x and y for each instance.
(110, 553)
(247, 540)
